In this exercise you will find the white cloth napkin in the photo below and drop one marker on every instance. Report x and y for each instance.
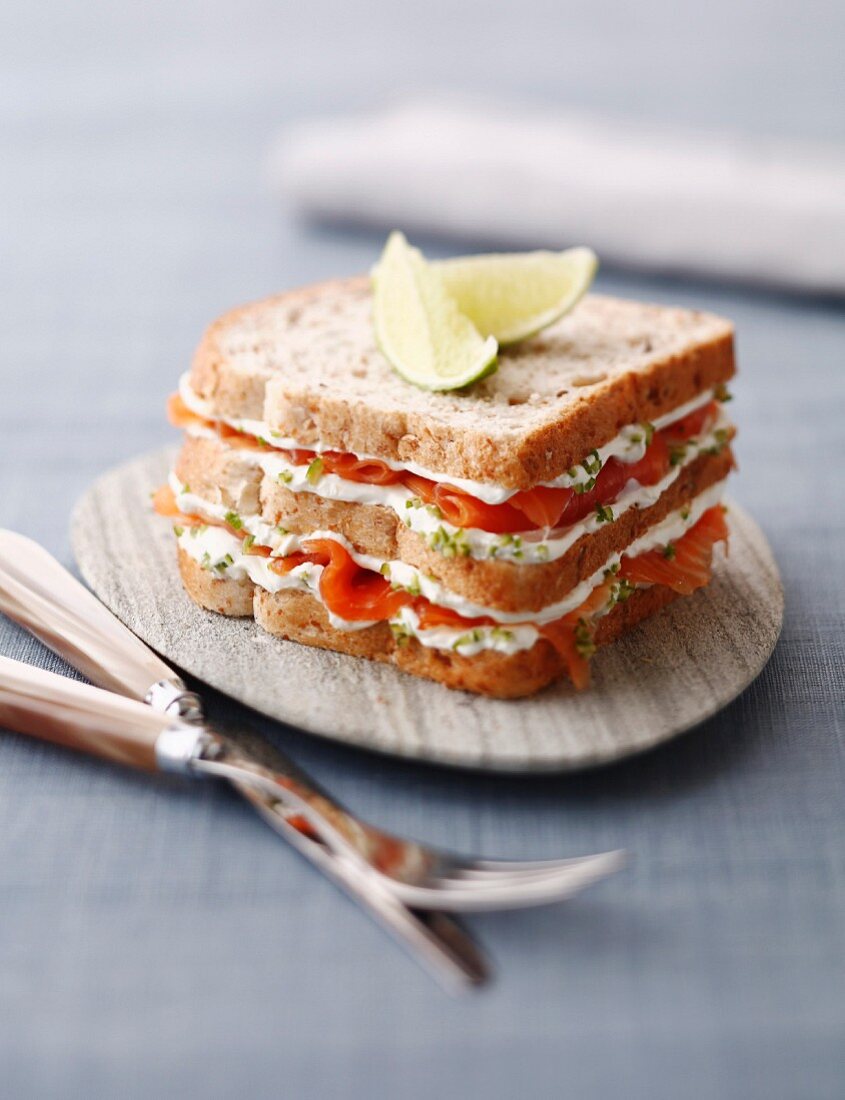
(651, 198)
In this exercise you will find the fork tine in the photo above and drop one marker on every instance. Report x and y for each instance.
(490, 872)
(509, 894)
(527, 864)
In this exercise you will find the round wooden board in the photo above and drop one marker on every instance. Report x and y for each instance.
(666, 676)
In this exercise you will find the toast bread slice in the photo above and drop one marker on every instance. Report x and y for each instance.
(306, 362)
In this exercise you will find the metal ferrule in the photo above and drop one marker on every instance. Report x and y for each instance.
(172, 697)
(179, 746)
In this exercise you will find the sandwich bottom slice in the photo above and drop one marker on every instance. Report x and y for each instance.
(300, 617)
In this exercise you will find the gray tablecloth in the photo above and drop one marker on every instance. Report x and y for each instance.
(156, 940)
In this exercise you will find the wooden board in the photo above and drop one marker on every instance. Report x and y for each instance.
(668, 675)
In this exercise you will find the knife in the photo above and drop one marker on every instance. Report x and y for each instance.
(172, 735)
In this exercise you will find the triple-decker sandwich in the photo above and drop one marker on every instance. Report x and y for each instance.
(490, 538)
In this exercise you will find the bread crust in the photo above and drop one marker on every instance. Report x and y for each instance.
(379, 531)
(307, 363)
(220, 474)
(299, 617)
(220, 594)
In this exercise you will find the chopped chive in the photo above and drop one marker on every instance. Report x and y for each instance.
(604, 513)
(619, 592)
(400, 632)
(722, 439)
(511, 543)
(314, 471)
(448, 544)
(585, 486)
(677, 455)
(584, 644)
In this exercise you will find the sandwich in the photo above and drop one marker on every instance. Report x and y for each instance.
(491, 538)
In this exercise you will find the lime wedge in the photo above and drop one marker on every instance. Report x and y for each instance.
(420, 328)
(511, 296)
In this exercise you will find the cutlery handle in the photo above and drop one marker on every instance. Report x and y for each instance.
(40, 594)
(54, 708)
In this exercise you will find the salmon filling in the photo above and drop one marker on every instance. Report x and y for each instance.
(356, 594)
(540, 508)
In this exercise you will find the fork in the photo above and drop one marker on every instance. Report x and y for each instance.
(41, 595)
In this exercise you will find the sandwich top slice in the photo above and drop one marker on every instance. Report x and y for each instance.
(490, 538)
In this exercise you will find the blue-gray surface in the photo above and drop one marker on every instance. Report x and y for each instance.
(156, 940)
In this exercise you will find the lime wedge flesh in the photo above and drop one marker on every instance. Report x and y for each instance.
(420, 328)
(510, 296)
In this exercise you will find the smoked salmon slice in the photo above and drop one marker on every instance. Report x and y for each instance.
(350, 591)
(164, 502)
(684, 565)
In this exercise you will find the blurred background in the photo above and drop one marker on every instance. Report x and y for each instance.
(141, 194)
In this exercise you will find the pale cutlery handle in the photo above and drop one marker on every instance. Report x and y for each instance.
(40, 594)
(78, 716)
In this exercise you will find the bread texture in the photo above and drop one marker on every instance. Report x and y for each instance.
(220, 594)
(300, 617)
(306, 362)
(211, 471)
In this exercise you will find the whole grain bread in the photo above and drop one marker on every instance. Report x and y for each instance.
(307, 363)
(214, 471)
(300, 617)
